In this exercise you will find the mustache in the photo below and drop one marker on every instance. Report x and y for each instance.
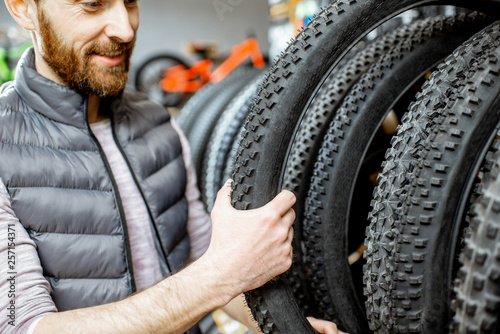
(102, 48)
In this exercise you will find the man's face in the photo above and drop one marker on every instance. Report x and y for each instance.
(87, 45)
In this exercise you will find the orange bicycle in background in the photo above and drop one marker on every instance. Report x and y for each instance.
(170, 81)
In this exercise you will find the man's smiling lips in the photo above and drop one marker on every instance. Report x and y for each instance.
(109, 59)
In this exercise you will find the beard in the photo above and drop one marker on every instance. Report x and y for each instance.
(75, 67)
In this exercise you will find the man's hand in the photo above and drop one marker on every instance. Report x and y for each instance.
(253, 246)
(323, 326)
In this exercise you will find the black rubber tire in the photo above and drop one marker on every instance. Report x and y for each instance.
(189, 114)
(221, 139)
(287, 90)
(318, 117)
(149, 75)
(206, 121)
(307, 142)
(186, 117)
(477, 287)
(418, 208)
(345, 150)
(330, 222)
(231, 157)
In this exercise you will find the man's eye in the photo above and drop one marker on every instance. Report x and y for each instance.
(131, 2)
(93, 4)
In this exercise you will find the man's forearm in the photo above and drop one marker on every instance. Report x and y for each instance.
(246, 250)
(171, 306)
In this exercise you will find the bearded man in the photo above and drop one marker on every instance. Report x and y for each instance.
(99, 210)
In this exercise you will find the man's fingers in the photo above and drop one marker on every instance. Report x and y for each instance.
(290, 235)
(323, 326)
(289, 217)
(282, 202)
(224, 194)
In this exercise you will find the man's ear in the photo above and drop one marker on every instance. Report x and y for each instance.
(23, 11)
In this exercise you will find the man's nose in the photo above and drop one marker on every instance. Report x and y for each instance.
(121, 23)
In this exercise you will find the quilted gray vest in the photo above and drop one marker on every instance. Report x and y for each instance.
(64, 194)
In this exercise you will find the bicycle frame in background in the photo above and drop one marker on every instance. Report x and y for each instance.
(182, 79)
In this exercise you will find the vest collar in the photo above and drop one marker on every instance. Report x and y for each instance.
(46, 97)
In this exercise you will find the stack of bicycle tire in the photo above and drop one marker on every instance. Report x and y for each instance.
(391, 146)
(211, 121)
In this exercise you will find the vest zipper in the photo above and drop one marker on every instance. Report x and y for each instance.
(118, 198)
(153, 222)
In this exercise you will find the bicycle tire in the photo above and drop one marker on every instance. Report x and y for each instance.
(227, 126)
(323, 108)
(307, 143)
(477, 287)
(186, 117)
(187, 114)
(346, 147)
(190, 112)
(230, 143)
(206, 120)
(435, 155)
(149, 75)
(287, 89)
(231, 157)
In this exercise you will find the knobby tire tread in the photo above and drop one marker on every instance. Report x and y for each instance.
(477, 288)
(206, 120)
(306, 144)
(196, 105)
(345, 148)
(286, 91)
(419, 202)
(226, 128)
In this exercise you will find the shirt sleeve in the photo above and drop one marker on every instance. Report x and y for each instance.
(199, 223)
(24, 292)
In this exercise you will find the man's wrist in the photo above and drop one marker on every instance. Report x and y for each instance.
(211, 273)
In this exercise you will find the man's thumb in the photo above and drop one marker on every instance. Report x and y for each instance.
(224, 194)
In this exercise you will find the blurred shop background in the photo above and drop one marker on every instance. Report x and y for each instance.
(170, 27)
